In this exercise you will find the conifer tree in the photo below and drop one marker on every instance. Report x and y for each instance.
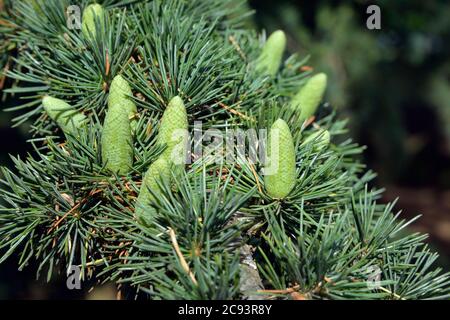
(102, 192)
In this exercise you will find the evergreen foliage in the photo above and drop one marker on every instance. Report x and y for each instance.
(63, 206)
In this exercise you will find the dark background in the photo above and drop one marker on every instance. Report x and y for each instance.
(392, 84)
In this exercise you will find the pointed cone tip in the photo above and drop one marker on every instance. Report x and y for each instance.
(278, 37)
(279, 34)
(280, 124)
(94, 6)
(279, 121)
(176, 102)
(320, 77)
(120, 82)
(48, 99)
(118, 77)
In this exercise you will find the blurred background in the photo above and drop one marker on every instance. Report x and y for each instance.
(393, 84)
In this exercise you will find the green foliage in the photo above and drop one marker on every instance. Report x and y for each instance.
(177, 233)
(7, 47)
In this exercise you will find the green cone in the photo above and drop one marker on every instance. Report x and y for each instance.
(158, 172)
(91, 14)
(173, 131)
(67, 118)
(281, 174)
(321, 139)
(310, 95)
(272, 54)
(120, 94)
(117, 140)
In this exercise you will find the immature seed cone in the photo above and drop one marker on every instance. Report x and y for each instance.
(158, 173)
(173, 134)
(120, 94)
(310, 95)
(173, 131)
(67, 117)
(280, 174)
(320, 138)
(272, 54)
(117, 140)
(93, 15)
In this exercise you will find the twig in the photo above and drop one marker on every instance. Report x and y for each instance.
(6, 23)
(309, 121)
(57, 223)
(237, 47)
(256, 176)
(184, 264)
(3, 78)
(94, 263)
(306, 68)
(235, 112)
(293, 292)
(298, 296)
(392, 293)
(119, 292)
(283, 291)
(108, 65)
